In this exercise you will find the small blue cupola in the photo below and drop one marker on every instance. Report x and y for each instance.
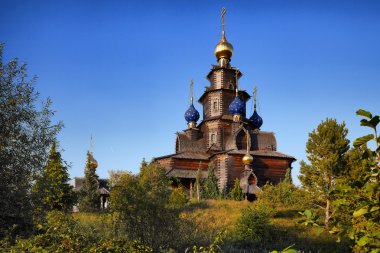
(256, 120)
(237, 107)
(191, 115)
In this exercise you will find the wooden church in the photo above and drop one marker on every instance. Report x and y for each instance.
(227, 137)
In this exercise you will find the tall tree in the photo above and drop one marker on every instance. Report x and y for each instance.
(210, 184)
(325, 149)
(26, 133)
(52, 190)
(89, 195)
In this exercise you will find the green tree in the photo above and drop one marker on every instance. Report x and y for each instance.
(52, 190)
(361, 195)
(288, 176)
(26, 133)
(210, 184)
(326, 149)
(236, 192)
(142, 202)
(89, 196)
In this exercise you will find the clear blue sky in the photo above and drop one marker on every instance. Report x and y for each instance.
(121, 69)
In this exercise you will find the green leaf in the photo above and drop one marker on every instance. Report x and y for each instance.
(319, 230)
(374, 208)
(363, 140)
(308, 213)
(360, 212)
(370, 123)
(364, 113)
(375, 120)
(290, 251)
(363, 241)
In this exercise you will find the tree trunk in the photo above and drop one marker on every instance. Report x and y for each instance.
(327, 214)
(198, 193)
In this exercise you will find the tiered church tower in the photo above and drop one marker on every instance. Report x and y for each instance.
(226, 134)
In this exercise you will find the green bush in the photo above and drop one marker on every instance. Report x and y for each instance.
(253, 226)
(285, 195)
(178, 197)
(236, 192)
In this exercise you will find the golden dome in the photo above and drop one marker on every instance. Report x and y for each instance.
(247, 159)
(93, 164)
(224, 49)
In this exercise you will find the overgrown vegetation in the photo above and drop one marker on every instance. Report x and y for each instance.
(337, 208)
(26, 134)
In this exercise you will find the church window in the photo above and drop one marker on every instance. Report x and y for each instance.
(213, 138)
(215, 107)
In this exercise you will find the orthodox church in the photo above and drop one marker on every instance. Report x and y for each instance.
(227, 138)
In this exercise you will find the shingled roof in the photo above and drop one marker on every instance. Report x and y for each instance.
(187, 155)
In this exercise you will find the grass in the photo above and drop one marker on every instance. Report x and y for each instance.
(209, 217)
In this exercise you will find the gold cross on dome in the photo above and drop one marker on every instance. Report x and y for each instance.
(223, 15)
(191, 90)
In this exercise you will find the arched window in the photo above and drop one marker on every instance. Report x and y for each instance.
(241, 140)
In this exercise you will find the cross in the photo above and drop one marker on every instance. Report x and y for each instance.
(91, 144)
(191, 91)
(237, 77)
(223, 14)
(255, 95)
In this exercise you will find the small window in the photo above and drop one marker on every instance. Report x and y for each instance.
(213, 138)
(215, 105)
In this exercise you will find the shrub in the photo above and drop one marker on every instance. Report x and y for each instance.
(285, 195)
(178, 197)
(253, 225)
(236, 192)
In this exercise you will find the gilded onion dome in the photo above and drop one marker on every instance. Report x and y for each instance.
(92, 163)
(256, 120)
(247, 159)
(224, 49)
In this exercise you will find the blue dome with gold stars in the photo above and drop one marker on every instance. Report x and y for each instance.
(256, 120)
(191, 115)
(237, 106)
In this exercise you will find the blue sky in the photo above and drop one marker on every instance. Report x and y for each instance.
(121, 69)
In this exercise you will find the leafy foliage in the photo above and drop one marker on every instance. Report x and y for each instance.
(210, 184)
(253, 225)
(326, 149)
(89, 196)
(236, 192)
(142, 202)
(26, 133)
(62, 233)
(361, 195)
(52, 190)
(178, 197)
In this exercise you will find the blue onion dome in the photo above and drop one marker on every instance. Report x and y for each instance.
(237, 106)
(256, 120)
(191, 115)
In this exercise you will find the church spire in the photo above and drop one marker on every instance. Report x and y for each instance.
(191, 115)
(224, 49)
